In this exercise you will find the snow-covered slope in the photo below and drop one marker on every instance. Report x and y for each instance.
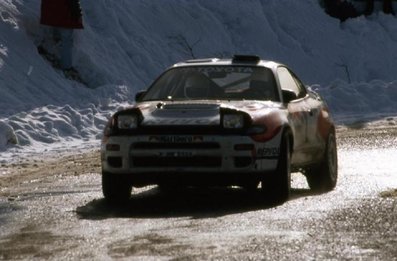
(126, 44)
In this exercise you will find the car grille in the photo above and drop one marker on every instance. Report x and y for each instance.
(195, 146)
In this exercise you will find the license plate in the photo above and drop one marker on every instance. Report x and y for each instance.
(176, 154)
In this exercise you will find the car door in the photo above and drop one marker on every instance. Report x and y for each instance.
(315, 141)
(299, 114)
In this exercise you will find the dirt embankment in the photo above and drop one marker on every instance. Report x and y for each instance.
(13, 174)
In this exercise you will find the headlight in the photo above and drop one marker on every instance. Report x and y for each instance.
(127, 122)
(233, 121)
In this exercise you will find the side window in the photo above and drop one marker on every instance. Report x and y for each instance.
(301, 86)
(289, 82)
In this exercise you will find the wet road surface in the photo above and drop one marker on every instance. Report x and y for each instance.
(55, 210)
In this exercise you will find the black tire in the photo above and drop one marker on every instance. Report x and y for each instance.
(115, 188)
(323, 177)
(277, 186)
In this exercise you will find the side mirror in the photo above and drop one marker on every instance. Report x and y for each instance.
(289, 96)
(139, 95)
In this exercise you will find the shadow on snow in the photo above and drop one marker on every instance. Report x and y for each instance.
(190, 202)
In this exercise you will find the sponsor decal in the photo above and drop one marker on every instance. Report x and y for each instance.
(176, 139)
(219, 69)
(225, 69)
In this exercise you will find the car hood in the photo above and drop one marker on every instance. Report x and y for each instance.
(200, 113)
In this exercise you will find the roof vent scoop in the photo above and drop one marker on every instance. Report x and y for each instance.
(246, 58)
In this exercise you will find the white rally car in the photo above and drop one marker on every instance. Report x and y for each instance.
(221, 122)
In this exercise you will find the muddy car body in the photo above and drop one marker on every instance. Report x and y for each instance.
(222, 122)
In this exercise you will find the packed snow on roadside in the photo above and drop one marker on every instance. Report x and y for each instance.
(126, 44)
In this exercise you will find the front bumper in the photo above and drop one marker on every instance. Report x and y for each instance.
(153, 159)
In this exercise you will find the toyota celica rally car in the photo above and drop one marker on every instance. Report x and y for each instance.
(221, 122)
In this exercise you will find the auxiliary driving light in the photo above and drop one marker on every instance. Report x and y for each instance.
(233, 121)
(125, 122)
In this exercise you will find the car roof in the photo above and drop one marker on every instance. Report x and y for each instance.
(237, 60)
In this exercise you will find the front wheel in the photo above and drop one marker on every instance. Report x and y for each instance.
(277, 186)
(323, 177)
(115, 187)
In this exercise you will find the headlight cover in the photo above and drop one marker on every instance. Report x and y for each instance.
(233, 121)
(125, 122)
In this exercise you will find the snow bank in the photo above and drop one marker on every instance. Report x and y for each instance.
(126, 44)
(7, 136)
(360, 101)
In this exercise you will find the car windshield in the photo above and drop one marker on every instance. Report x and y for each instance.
(214, 83)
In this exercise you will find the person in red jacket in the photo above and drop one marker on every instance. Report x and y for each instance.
(64, 16)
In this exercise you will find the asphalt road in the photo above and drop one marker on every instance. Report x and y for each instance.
(53, 209)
